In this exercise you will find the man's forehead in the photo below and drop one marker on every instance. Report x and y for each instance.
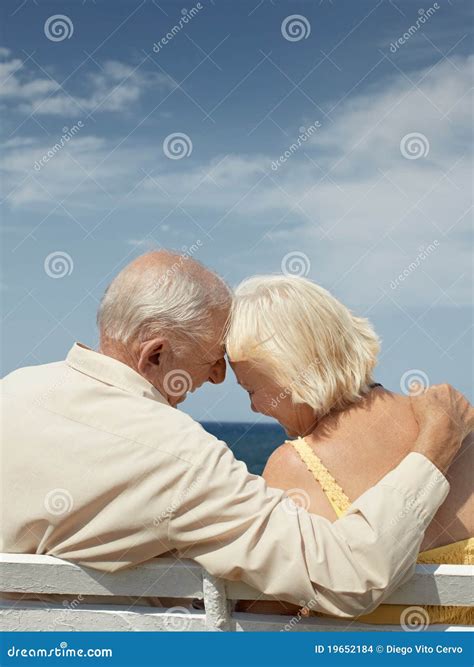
(214, 346)
(218, 350)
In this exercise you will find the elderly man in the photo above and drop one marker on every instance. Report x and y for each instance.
(100, 468)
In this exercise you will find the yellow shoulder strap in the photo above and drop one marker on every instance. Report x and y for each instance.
(333, 492)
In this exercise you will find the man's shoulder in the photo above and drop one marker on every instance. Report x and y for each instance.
(67, 402)
(20, 374)
(168, 428)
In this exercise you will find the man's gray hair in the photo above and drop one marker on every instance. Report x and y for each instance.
(178, 297)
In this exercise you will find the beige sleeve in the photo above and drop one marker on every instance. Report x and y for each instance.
(238, 528)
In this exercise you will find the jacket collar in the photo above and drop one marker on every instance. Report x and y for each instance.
(111, 371)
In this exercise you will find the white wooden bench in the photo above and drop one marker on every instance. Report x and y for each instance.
(170, 578)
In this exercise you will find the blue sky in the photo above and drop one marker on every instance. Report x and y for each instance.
(377, 187)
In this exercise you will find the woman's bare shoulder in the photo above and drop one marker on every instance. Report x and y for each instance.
(286, 471)
(283, 467)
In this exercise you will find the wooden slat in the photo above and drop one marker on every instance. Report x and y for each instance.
(169, 577)
(34, 616)
(439, 585)
(165, 577)
(431, 584)
(269, 623)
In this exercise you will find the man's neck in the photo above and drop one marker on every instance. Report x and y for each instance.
(117, 351)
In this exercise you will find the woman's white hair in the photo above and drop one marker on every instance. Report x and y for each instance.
(178, 298)
(304, 339)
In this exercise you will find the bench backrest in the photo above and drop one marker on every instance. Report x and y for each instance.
(172, 578)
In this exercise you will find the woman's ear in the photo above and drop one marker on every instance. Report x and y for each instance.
(150, 355)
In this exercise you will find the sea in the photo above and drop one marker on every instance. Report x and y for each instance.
(249, 442)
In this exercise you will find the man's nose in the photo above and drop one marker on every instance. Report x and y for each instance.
(217, 374)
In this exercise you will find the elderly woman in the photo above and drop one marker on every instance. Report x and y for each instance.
(308, 362)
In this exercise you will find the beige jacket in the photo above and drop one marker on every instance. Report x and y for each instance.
(97, 468)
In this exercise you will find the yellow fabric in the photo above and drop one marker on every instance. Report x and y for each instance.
(457, 553)
(333, 492)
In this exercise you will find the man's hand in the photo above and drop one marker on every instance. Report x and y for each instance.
(445, 418)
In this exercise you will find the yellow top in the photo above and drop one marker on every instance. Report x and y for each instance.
(457, 553)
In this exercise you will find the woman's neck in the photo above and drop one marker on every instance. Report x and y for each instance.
(334, 421)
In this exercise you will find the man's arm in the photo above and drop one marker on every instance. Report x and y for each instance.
(238, 528)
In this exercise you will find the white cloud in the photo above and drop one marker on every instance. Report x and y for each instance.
(78, 172)
(113, 88)
(15, 85)
(361, 209)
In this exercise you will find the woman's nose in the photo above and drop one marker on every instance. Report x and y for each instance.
(217, 374)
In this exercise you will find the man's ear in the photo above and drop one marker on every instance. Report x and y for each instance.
(150, 354)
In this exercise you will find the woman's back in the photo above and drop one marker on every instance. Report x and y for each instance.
(358, 447)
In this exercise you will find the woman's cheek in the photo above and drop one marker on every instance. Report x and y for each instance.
(263, 404)
(254, 405)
